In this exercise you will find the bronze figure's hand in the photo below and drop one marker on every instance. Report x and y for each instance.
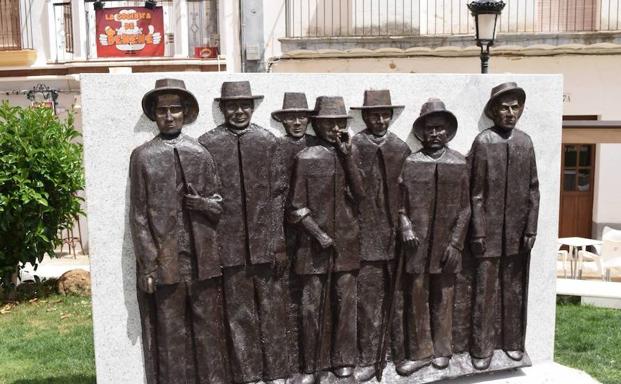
(409, 239)
(343, 142)
(325, 241)
(146, 284)
(478, 246)
(529, 241)
(450, 259)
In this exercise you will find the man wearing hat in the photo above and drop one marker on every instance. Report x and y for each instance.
(294, 117)
(325, 189)
(436, 202)
(251, 238)
(380, 157)
(174, 209)
(505, 205)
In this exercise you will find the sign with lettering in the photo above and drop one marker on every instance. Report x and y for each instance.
(129, 31)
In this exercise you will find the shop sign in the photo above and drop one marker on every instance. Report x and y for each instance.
(125, 31)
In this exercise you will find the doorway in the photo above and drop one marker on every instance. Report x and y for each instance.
(577, 182)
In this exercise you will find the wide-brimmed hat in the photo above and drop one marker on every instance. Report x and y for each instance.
(170, 86)
(292, 102)
(433, 107)
(502, 90)
(330, 107)
(377, 99)
(236, 90)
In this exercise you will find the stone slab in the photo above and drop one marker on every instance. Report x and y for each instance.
(113, 125)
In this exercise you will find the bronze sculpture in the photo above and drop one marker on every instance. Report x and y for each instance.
(505, 204)
(380, 157)
(297, 267)
(436, 201)
(251, 239)
(294, 117)
(174, 209)
(324, 191)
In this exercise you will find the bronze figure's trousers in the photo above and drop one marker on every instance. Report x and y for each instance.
(430, 315)
(256, 309)
(206, 359)
(340, 321)
(505, 277)
(374, 282)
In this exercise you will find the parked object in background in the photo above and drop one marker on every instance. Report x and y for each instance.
(577, 245)
(563, 255)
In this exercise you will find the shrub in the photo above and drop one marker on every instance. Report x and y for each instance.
(40, 175)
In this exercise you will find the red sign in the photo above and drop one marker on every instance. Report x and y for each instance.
(129, 31)
(206, 52)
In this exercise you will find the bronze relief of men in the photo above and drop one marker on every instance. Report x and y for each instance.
(294, 117)
(436, 201)
(380, 156)
(505, 205)
(251, 239)
(174, 209)
(325, 189)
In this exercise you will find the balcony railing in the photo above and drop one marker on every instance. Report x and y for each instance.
(361, 18)
(15, 25)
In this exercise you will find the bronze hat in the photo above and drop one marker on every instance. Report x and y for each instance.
(236, 90)
(379, 99)
(502, 90)
(330, 107)
(434, 106)
(292, 102)
(168, 86)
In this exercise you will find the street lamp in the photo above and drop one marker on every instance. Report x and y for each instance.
(485, 14)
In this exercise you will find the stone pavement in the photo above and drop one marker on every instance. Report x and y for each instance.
(50, 268)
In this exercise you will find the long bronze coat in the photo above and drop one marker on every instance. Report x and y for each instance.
(505, 190)
(437, 203)
(389, 154)
(257, 181)
(153, 208)
(320, 189)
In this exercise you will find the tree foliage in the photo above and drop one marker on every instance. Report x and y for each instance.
(40, 175)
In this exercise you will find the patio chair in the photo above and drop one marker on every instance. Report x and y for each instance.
(562, 255)
(592, 261)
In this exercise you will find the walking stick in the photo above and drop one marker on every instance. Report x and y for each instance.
(388, 315)
(186, 187)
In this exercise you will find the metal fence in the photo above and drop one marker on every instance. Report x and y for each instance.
(342, 18)
(15, 24)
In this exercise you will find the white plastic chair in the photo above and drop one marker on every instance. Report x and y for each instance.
(592, 261)
(611, 257)
(563, 255)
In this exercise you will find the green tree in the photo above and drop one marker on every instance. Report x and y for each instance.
(40, 175)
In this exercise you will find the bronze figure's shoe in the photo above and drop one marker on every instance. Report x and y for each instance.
(481, 363)
(408, 367)
(276, 381)
(363, 374)
(343, 371)
(515, 355)
(441, 362)
(302, 378)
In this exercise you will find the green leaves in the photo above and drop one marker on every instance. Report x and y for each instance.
(40, 175)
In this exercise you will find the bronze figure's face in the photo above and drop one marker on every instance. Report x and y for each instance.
(330, 129)
(377, 120)
(295, 123)
(435, 133)
(507, 111)
(237, 113)
(169, 113)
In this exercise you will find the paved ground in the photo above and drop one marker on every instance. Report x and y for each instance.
(54, 267)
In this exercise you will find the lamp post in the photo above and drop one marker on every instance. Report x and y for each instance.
(485, 14)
